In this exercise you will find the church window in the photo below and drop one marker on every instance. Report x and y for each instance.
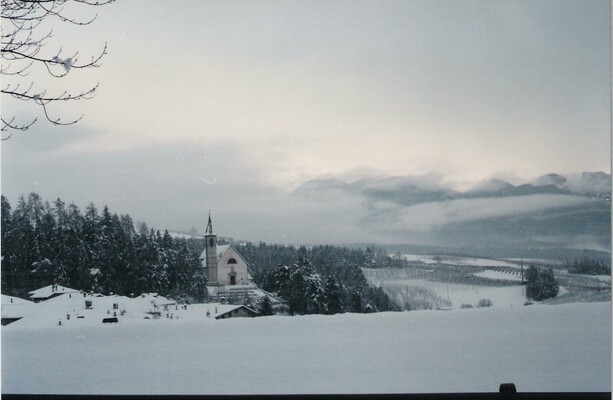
(232, 261)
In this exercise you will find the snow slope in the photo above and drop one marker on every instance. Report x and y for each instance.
(539, 348)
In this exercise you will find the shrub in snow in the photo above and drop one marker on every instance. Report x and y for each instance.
(415, 297)
(466, 305)
(484, 303)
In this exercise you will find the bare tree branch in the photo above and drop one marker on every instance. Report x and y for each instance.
(21, 49)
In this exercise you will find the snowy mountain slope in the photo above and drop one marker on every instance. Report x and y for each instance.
(539, 348)
(551, 211)
(417, 189)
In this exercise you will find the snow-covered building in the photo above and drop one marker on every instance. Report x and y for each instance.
(238, 311)
(49, 292)
(229, 279)
(13, 309)
(223, 265)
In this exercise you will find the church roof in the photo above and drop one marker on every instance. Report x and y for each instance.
(221, 250)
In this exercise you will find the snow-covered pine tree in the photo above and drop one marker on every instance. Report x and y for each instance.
(265, 307)
(333, 296)
(541, 284)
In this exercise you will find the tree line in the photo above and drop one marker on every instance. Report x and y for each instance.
(96, 250)
(93, 250)
(320, 279)
(588, 266)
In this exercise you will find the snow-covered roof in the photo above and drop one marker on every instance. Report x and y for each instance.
(250, 289)
(215, 290)
(214, 310)
(274, 299)
(8, 300)
(221, 250)
(230, 310)
(72, 310)
(51, 290)
(14, 307)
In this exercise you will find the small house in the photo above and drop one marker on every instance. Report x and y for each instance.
(49, 292)
(239, 311)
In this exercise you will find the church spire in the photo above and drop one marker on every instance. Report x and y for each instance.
(211, 261)
(209, 226)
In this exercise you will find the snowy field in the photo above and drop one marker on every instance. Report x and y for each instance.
(539, 348)
(458, 294)
(498, 275)
(453, 260)
(537, 261)
(413, 289)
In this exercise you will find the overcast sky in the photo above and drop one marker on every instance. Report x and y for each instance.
(229, 106)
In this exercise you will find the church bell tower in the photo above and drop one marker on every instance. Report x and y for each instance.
(210, 244)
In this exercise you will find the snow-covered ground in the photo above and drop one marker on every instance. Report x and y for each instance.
(490, 274)
(481, 262)
(537, 261)
(459, 294)
(426, 259)
(409, 288)
(539, 348)
(453, 260)
(602, 278)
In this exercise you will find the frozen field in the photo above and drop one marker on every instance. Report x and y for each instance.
(539, 348)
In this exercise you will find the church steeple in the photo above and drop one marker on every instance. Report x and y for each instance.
(210, 244)
(209, 226)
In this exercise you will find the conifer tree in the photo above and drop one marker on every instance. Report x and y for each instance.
(265, 307)
(333, 296)
(541, 285)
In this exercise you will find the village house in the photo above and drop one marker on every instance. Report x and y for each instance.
(239, 311)
(49, 292)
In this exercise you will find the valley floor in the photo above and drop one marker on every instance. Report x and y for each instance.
(548, 348)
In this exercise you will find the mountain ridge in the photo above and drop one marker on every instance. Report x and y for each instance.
(414, 190)
(549, 211)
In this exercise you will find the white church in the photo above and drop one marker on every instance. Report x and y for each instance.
(223, 265)
(228, 277)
